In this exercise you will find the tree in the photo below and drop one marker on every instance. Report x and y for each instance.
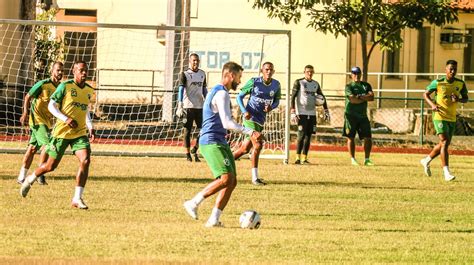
(385, 19)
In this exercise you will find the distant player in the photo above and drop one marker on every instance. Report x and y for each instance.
(214, 147)
(303, 111)
(265, 94)
(191, 95)
(70, 105)
(448, 90)
(40, 120)
(356, 121)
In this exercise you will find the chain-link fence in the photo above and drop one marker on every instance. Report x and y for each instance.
(396, 121)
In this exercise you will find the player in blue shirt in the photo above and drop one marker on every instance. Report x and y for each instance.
(265, 94)
(217, 119)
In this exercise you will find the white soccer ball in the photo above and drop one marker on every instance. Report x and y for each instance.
(319, 100)
(250, 219)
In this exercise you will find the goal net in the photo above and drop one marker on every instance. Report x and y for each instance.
(134, 70)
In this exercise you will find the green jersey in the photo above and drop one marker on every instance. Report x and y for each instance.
(357, 88)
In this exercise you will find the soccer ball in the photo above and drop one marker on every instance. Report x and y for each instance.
(319, 100)
(250, 219)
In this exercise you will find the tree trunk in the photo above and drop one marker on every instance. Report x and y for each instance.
(363, 40)
(25, 75)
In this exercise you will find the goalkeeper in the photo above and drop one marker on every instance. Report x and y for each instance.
(265, 93)
(303, 111)
(39, 119)
(191, 94)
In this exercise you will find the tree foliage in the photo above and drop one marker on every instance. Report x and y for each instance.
(385, 19)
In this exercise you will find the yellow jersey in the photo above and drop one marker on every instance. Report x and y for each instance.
(39, 113)
(443, 90)
(73, 101)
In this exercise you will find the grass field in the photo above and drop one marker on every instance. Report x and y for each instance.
(328, 212)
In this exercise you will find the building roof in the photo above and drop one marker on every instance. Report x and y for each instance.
(465, 5)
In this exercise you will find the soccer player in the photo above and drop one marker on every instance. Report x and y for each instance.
(39, 119)
(214, 147)
(191, 94)
(265, 93)
(303, 111)
(355, 116)
(70, 105)
(448, 90)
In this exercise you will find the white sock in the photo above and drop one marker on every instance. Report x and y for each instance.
(78, 193)
(427, 159)
(198, 198)
(446, 171)
(254, 174)
(215, 215)
(23, 173)
(31, 178)
(367, 159)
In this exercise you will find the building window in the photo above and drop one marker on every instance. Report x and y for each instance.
(423, 56)
(468, 57)
(80, 46)
(393, 63)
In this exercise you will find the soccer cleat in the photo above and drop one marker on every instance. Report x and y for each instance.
(426, 167)
(368, 163)
(79, 204)
(42, 180)
(354, 162)
(449, 177)
(306, 162)
(188, 157)
(196, 158)
(191, 208)
(20, 181)
(297, 162)
(258, 182)
(210, 224)
(194, 150)
(25, 188)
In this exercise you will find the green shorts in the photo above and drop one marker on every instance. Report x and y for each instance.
(252, 125)
(57, 146)
(39, 135)
(219, 158)
(445, 127)
(356, 125)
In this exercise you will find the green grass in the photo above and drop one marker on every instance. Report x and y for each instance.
(328, 212)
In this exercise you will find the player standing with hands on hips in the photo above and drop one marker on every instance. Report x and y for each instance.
(265, 94)
(448, 90)
(303, 111)
(191, 94)
(358, 93)
(70, 105)
(217, 119)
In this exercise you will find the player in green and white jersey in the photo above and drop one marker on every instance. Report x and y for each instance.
(40, 120)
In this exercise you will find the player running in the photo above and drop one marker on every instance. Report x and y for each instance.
(448, 92)
(358, 93)
(40, 120)
(214, 147)
(191, 95)
(265, 94)
(70, 105)
(303, 111)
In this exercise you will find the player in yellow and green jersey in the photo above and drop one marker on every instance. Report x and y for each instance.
(70, 105)
(448, 90)
(40, 120)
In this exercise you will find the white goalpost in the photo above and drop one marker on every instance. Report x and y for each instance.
(134, 70)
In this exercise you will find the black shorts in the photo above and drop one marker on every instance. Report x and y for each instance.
(359, 125)
(307, 124)
(191, 116)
